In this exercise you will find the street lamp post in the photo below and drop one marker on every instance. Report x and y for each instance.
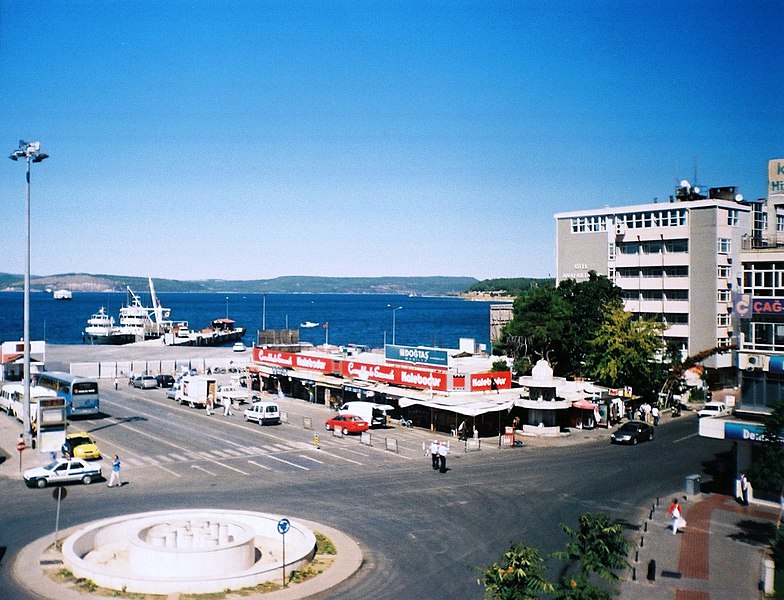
(31, 153)
(394, 310)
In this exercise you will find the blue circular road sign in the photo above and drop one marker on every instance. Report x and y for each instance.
(283, 526)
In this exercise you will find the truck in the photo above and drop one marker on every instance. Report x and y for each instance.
(375, 414)
(194, 390)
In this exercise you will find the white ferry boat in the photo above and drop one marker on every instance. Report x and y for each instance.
(62, 295)
(102, 330)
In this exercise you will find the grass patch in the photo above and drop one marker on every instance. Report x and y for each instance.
(324, 545)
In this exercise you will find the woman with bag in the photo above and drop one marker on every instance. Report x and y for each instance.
(678, 522)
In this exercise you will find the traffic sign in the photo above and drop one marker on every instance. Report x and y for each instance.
(20, 445)
(283, 526)
(59, 493)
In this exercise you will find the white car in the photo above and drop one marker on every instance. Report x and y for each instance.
(263, 413)
(229, 393)
(62, 471)
(239, 347)
(713, 409)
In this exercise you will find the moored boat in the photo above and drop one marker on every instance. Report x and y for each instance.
(62, 295)
(102, 330)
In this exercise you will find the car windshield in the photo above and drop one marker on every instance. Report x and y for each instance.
(78, 440)
(628, 428)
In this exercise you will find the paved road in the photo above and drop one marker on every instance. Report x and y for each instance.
(423, 533)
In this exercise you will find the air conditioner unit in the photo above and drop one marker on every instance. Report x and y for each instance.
(752, 362)
(620, 229)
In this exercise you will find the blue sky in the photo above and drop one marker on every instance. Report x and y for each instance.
(246, 140)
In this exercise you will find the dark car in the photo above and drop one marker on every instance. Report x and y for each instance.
(632, 433)
(164, 380)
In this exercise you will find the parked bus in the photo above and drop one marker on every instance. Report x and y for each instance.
(12, 400)
(80, 393)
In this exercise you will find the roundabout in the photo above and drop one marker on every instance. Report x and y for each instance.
(187, 551)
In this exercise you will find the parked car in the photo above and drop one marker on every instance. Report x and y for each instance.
(632, 432)
(164, 380)
(239, 347)
(713, 409)
(81, 445)
(62, 471)
(171, 393)
(264, 413)
(347, 423)
(145, 382)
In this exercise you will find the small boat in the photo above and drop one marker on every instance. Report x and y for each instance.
(308, 325)
(101, 330)
(62, 295)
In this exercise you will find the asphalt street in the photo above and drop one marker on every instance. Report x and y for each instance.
(423, 534)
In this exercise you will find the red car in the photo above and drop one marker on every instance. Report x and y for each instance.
(347, 423)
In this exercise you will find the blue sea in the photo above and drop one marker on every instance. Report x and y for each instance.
(365, 319)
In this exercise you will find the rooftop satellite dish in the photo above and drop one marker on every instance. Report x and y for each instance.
(696, 190)
(685, 183)
(739, 198)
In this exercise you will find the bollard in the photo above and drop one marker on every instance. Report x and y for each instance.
(645, 527)
(650, 516)
(642, 541)
(652, 570)
(657, 501)
(637, 556)
(316, 442)
(634, 573)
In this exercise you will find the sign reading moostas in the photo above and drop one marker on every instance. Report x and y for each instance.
(417, 355)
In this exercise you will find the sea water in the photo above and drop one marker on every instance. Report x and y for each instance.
(366, 319)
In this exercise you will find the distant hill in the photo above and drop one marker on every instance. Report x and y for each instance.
(514, 286)
(85, 282)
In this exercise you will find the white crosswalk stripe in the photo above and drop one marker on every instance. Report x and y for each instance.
(232, 452)
(164, 458)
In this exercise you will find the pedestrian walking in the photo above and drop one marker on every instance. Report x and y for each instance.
(744, 489)
(115, 477)
(677, 521)
(655, 413)
(208, 405)
(443, 451)
(116, 383)
(227, 407)
(434, 454)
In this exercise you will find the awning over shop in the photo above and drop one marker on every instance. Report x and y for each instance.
(469, 407)
(584, 405)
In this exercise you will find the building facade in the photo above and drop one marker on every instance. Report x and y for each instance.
(677, 262)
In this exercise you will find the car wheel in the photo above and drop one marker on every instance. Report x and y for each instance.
(344, 431)
(87, 480)
(191, 405)
(41, 483)
(327, 427)
(634, 441)
(651, 438)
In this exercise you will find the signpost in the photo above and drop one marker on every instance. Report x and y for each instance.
(20, 445)
(58, 493)
(283, 526)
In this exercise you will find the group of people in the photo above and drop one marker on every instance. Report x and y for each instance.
(438, 454)
(648, 414)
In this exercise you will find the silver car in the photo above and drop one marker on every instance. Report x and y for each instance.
(145, 382)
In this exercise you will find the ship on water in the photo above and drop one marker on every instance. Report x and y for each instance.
(137, 322)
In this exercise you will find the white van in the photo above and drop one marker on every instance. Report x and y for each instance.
(375, 414)
(264, 413)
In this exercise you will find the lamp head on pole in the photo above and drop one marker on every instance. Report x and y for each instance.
(31, 150)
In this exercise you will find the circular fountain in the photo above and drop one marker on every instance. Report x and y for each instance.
(186, 551)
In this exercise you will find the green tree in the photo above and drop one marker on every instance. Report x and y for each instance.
(536, 328)
(766, 473)
(626, 351)
(519, 576)
(599, 548)
(589, 301)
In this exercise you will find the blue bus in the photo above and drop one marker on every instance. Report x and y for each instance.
(80, 393)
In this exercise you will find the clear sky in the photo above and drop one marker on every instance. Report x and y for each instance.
(245, 140)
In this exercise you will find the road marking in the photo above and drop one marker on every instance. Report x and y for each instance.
(220, 454)
(232, 452)
(228, 467)
(321, 462)
(686, 438)
(282, 447)
(135, 461)
(202, 469)
(164, 458)
(177, 457)
(288, 462)
(260, 465)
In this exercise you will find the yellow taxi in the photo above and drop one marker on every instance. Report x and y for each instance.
(81, 445)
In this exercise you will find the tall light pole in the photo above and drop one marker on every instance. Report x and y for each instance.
(31, 153)
(394, 310)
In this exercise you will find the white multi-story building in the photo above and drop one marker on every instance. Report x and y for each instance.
(676, 261)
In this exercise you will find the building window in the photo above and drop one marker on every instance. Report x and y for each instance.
(677, 271)
(780, 223)
(676, 246)
(733, 217)
(723, 296)
(724, 246)
(677, 294)
(723, 320)
(611, 252)
(589, 224)
(724, 272)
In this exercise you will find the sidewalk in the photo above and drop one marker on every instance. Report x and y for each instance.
(719, 556)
